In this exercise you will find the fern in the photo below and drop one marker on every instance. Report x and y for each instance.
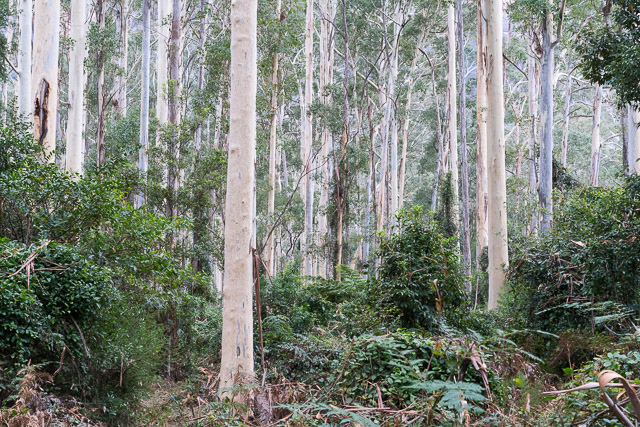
(455, 396)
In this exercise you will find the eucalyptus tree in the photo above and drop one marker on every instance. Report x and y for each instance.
(25, 57)
(44, 84)
(77, 81)
(237, 318)
(143, 155)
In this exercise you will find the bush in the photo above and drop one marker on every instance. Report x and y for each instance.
(419, 273)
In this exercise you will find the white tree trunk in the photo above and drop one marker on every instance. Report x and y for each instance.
(143, 156)
(565, 122)
(631, 137)
(25, 105)
(636, 148)
(546, 126)
(100, 141)
(481, 136)
(532, 74)
(595, 136)
(497, 219)
(77, 80)
(307, 136)
(328, 14)
(466, 231)
(123, 60)
(163, 34)
(393, 206)
(452, 129)
(44, 104)
(237, 317)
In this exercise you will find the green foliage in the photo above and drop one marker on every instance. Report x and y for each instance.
(610, 56)
(570, 278)
(419, 272)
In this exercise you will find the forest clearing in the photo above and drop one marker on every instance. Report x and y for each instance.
(319, 213)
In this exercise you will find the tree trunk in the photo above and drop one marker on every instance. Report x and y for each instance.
(203, 35)
(100, 143)
(497, 218)
(163, 31)
(25, 104)
(237, 317)
(307, 136)
(532, 73)
(481, 136)
(546, 125)
(466, 231)
(452, 130)
(77, 79)
(565, 122)
(595, 136)
(273, 132)
(633, 131)
(123, 60)
(393, 206)
(624, 131)
(328, 14)
(636, 150)
(143, 156)
(44, 84)
(173, 92)
(440, 157)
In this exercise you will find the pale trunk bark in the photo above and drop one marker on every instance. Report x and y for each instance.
(466, 231)
(633, 131)
(328, 13)
(100, 142)
(143, 157)
(481, 137)
(77, 77)
(237, 317)
(595, 136)
(203, 35)
(452, 130)
(565, 122)
(123, 60)
(532, 73)
(25, 102)
(174, 107)
(44, 84)
(393, 206)
(636, 150)
(162, 106)
(440, 162)
(273, 132)
(307, 141)
(497, 218)
(546, 126)
(624, 131)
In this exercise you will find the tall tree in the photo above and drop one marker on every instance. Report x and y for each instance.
(481, 134)
(549, 42)
(462, 68)
(497, 218)
(452, 128)
(77, 81)
(163, 34)
(24, 57)
(46, 40)
(595, 136)
(173, 92)
(143, 156)
(237, 316)
(306, 142)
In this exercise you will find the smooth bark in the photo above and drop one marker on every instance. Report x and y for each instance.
(77, 80)
(595, 136)
(25, 105)
(143, 156)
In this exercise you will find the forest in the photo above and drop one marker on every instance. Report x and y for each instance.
(319, 213)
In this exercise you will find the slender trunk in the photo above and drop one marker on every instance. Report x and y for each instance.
(393, 206)
(595, 136)
(123, 60)
(173, 89)
(452, 130)
(25, 105)
(565, 122)
(163, 34)
(77, 79)
(481, 136)
(143, 157)
(270, 248)
(546, 125)
(532, 73)
(237, 317)
(307, 141)
(328, 14)
(44, 84)
(497, 218)
(203, 35)
(624, 131)
(440, 162)
(633, 132)
(636, 149)
(466, 231)
(100, 143)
